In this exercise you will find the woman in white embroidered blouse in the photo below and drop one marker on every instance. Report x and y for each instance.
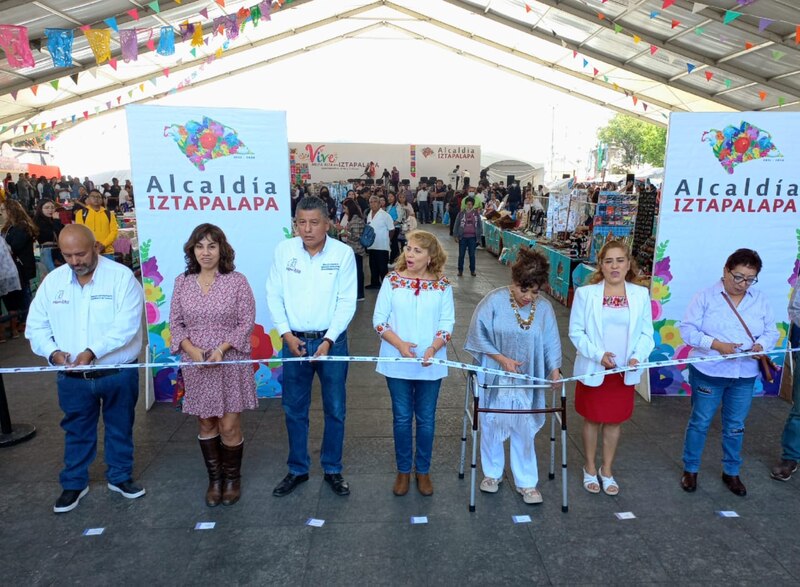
(414, 316)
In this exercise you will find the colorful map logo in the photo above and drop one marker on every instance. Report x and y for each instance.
(739, 144)
(203, 141)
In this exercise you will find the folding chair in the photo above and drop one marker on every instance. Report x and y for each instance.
(471, 415)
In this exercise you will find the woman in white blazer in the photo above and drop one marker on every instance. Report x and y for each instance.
(611, 326)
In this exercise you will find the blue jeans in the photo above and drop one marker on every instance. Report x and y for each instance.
(467, 243)
(413, 398)
(81, 401)
(296, 400)
(735, 395)
(790, 441)
(424, 212)
(46, 254)
(438, 210)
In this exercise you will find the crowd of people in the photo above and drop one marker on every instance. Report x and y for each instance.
(312, 292)
(33, 211)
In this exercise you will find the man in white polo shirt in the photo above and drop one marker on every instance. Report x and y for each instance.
(90, 311)
(378, 251)
(311, 295)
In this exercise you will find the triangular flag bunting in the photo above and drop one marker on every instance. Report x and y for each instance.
(636, 38)
(527, 8)
(635, 100)
(134, 14)
(653, 49)
(601, 16)
(119, 99)
(108, 105)
(151, 44)
(654, 14)
(748, 45)
(220, 2)
(574, 54)
(155, 6)
(112, 23)
(14, 94)
(596, 71)
(166, 71)
(797, 35)
(35, 88)
(763, 23)
(193, 51)
(730, 16)
(74, 78)
(53, 124)
(218, 53)
(763, 95)
(781, 101)
(96, 109)
(605, 78)
(617, 28)
(690, 67)
(644, 105)
(86, 114)
(54, 83)
(585, 62)
(698, 7)
(130, 93)
(728, 83)
(24, 128)
(676, 23)
(204, 12)
(777, 55)
(709, 75)
(113, 63)
(699, 31)
(667, 3)
(73, 118)
(616, 87)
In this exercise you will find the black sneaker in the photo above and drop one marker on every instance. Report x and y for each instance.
(69, 499)
(128, 489)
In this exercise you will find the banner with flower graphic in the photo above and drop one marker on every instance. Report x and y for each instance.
(730, 182)
(223, 166)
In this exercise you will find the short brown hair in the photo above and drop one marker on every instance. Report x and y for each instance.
(214, 234)
(531, 269)
(431, 244)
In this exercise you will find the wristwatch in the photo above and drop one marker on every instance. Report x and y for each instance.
(50, 358)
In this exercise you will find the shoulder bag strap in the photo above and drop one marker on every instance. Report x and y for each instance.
(739, 316)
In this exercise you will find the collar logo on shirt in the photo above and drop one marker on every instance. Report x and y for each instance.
(60, 298)
(292, 266)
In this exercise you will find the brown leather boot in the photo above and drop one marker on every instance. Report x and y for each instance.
(231, 469)
(401, 484)
(424, 485)
(211, 455)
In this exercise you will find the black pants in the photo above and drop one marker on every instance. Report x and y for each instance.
(378, 266)
(359, 275)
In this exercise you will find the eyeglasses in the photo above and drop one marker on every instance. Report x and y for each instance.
(742, 279)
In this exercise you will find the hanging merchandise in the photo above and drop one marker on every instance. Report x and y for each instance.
(197, 36)
(228, 24)
(166, 42)
(100, 43)
(187, 30)
(129, 42)
(14, 41)
(255, 14)
(59, 44)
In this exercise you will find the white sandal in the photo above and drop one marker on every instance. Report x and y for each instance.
(610, 485)
(588, 480)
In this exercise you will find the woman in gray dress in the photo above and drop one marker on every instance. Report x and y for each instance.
(514, 329)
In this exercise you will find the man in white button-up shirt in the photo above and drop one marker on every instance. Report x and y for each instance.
(90, 311)
(311, 294)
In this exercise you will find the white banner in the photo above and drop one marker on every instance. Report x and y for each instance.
(328, 162)
(731, 181)
(218, 165)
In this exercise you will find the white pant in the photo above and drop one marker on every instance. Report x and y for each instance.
(523, 453)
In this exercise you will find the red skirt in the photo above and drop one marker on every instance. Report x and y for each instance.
(610, 403)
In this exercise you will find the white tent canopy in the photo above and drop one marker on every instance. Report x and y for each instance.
(522, 172)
